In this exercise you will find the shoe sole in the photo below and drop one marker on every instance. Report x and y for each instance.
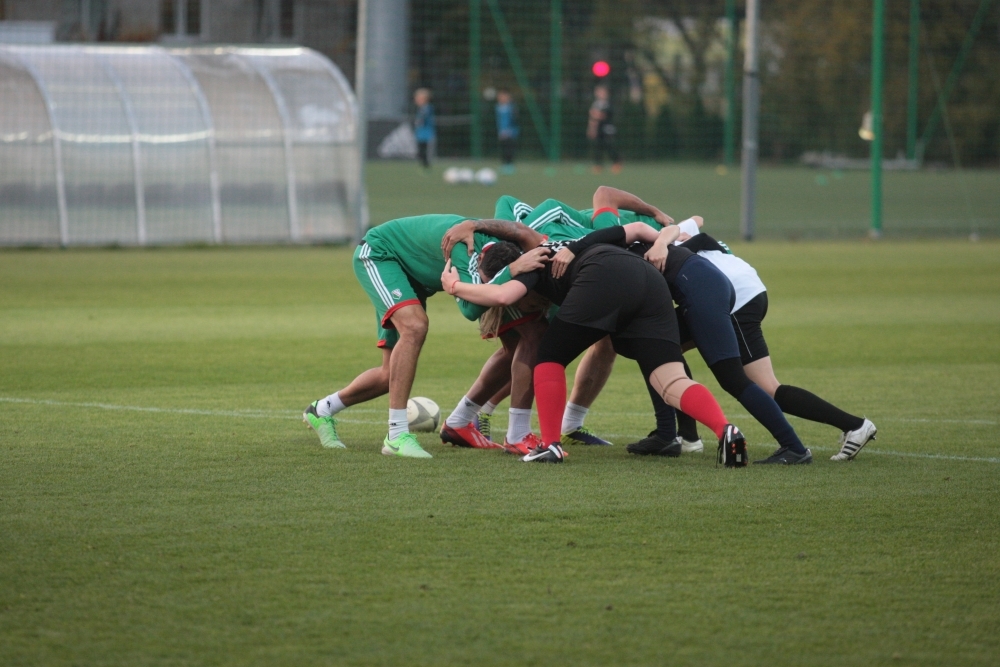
(836, 457)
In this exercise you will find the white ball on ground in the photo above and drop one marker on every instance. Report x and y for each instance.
(486, 176)
(466, 175)
(422, 414)
(452, 175)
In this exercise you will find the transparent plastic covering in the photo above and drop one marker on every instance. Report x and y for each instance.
(153, 146)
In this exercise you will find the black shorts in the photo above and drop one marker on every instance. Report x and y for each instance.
(621, 294)
(746, 323)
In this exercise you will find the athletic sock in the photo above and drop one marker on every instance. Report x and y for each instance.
(573, 417)
(463, 414)
(698, 402)
(665, 426)
(550, 397)
(488, 408)
(329, 406)
(518, 424)
(687, 427)
(398, 424)
(807, 405)
(765, 410)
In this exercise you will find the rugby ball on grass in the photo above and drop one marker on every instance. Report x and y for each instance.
(423, 414)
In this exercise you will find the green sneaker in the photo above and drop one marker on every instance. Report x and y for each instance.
(325, 427)
(404, 445)
(484, 424)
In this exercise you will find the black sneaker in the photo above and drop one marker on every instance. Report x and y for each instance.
(654, 445)
(785, 456)
(733, 448)
(551, 454)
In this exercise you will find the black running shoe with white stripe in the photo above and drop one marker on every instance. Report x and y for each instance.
(654, 445)
(551, 454)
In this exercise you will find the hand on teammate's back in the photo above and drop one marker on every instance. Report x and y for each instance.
(463, 232)
(561, 262)
(657, 255)
(530, 261)
(449, 277)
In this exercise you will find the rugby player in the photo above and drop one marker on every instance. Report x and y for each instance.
(399, 265)
(748, 312)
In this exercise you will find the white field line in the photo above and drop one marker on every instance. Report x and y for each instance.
(285, 414)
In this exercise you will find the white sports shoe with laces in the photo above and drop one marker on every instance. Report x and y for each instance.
(851, 442)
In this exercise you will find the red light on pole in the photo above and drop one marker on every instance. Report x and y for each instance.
(601, 69)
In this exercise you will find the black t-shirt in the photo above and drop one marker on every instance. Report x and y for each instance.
(556, 289)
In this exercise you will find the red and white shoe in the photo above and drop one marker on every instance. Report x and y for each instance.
(523, 446)
(467, 436)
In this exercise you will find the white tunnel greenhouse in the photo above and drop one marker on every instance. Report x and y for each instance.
(153, 146)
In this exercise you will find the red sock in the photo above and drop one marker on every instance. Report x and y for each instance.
(550, 397)
(698, 402)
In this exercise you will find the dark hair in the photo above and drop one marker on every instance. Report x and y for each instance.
(497, 256)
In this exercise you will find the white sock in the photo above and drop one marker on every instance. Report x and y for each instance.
(573, 417)
(330, 405)
(488, 408)
(463, 414)
(398, 425)
(518, 424)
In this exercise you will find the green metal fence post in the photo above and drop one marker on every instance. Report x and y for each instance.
(970, 38)
(555, 83)
(475, 104)
(878, 38)
(729, 141)
(519, 74)
(911, 97)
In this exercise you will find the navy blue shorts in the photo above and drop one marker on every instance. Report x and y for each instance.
(705, 297)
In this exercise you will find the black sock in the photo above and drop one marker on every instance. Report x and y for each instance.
(687, 426)
(807, 405)
(665, 427)
(765, 410)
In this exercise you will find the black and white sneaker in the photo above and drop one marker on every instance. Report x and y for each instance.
(550, 454)
(654, 445)
(785, 456)
(851, 442)
(733, 448)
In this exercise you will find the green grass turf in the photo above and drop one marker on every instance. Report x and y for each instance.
(792, 202)
(162, 504)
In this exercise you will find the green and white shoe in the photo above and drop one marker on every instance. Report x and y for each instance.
(325, 427)
(405, 445)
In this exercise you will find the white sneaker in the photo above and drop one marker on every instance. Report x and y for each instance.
(690, 447)
(851, 442)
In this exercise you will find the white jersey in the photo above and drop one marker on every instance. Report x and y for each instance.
(744, 277)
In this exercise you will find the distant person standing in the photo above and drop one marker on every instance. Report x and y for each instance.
(507, 130)
(424, 124)
(601, 131)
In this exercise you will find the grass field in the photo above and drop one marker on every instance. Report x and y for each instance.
(793, 202)
(162, 504)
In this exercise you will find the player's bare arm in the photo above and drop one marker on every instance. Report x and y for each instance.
(608, 197)
(464, 232)
(483, 295)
